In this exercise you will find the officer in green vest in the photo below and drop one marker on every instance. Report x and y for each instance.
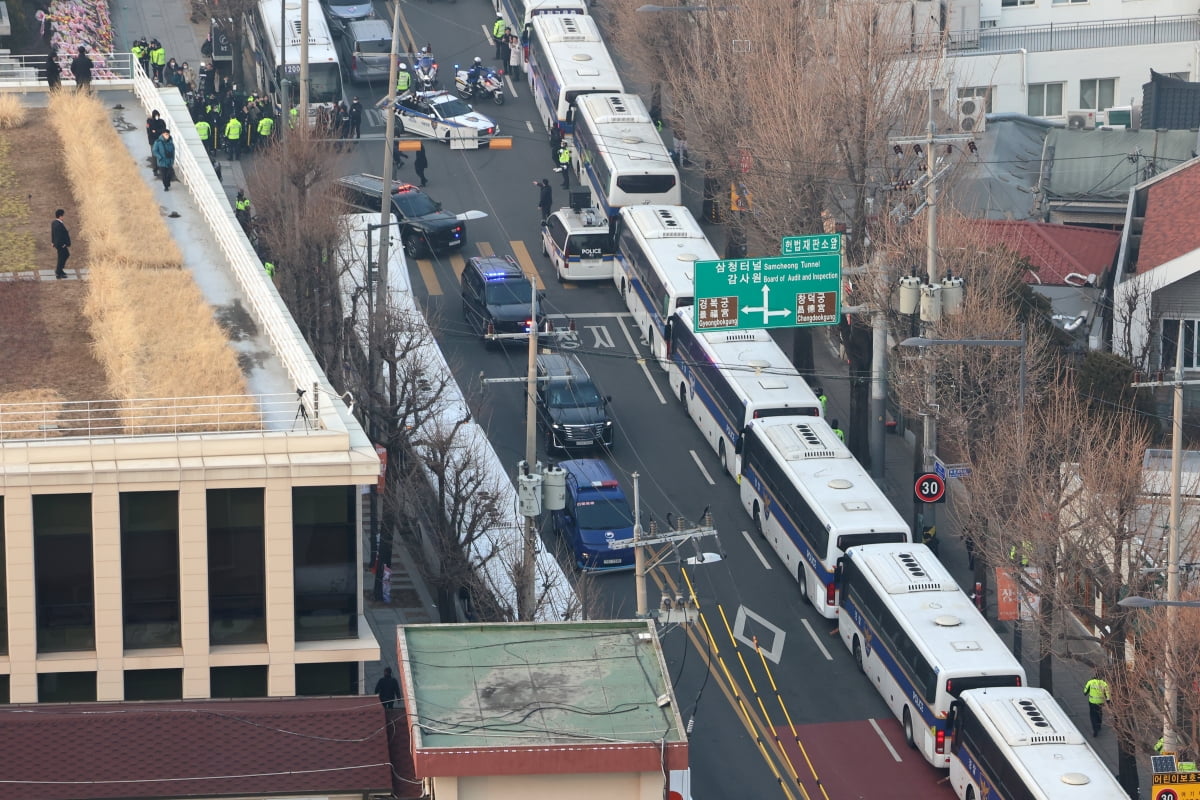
(293, 117)
(158, 60)
(498, 33)
(138, 51)
(403, 80)
(1026, 549)
(1096, 691)
(564, 164)
(837, 430)
(205, 131)
(266, 126)
(270, 268)
(241, 210)
(824, 400)
(233, 138)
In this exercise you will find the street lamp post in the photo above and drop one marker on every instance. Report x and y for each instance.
(1170, 686)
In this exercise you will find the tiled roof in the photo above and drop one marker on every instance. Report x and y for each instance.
(1055, 251)
(1172, 208)
(193, 748)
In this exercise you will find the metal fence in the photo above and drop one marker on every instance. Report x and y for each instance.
(170, 416)
(1131, 32)
(108, 70)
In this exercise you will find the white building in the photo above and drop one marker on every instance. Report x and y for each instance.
(1049, 58)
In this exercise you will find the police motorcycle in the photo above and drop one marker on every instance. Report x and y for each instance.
(489, 83)
(425, 70)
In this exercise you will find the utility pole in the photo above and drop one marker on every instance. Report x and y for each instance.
(303, 60)
(526, 599)
(1170, 683)
(931, 295)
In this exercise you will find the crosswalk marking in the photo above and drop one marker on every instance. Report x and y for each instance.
(485, 248)
(522, 254)
(458, 264)
(429, 276)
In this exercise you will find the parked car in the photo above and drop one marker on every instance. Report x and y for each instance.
(424, 227)
(572, 413)
(342, 12)
(436, 114)
(497, 297)
(365, 48)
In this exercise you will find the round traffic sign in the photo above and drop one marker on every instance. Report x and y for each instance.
(929, 487)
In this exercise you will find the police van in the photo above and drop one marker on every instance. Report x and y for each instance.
(596, 515)
(578, 243)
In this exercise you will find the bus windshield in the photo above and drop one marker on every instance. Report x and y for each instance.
(955, 686)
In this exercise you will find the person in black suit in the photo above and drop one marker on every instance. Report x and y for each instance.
(60, 237)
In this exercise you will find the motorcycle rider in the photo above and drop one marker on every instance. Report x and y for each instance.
(475, 75)
(426, 68)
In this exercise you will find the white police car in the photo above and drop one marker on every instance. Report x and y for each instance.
(441, 115)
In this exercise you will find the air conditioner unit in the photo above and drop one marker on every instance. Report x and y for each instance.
(1119, 115)
(972, 114)
(1083, 120)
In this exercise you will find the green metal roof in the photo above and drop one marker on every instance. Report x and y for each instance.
(1102, 166)
(509, 684)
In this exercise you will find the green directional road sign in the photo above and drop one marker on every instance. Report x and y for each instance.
(783, 292)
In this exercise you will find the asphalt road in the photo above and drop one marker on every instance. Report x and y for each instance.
(790, 719)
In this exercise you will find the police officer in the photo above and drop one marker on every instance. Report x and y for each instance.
(833, 423)
(564, 164)
(233, 137)
(823, 399)
(270, 268)
(356, 112)
(137, 50)
(1096, 691)
(266, 126)
(205, 131)
(403, 80)
(498, 33)
(241, 210)
(145, 55)
(158, 60)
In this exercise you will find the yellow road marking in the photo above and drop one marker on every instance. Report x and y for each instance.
(485, 248)
(458, 264)
(429, 276)
(522, 254)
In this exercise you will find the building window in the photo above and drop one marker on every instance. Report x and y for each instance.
(1097, 93)
(3, 588)
(322, 680)
(150, 568)
(62, 562)
(1068, 2)
(153, 684)
(248, 681)
(1015, 3)
(325, 562)
(1046, 99)
(66, 687)
(5, 692)
(236, 567)
(978, 91)
(1168, 338)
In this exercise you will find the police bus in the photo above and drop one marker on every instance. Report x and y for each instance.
(522, 12)
(919, 639)
(657, 248)
(811, 500)
(276, 54)
(621, 154)
(725, 379)
(567, 58)
(1018, 744)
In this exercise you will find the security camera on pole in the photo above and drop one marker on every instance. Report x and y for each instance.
(933, 298)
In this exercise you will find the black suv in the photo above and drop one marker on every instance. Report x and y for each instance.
(571, 411)
(496, 297)
(424, 227)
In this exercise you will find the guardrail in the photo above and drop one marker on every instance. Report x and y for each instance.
(257, 290)
(28, 72)
(161, 416)
(1127, 32)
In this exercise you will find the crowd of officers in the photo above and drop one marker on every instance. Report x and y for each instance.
(233, 120)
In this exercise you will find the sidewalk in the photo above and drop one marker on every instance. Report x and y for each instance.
(1069, 676)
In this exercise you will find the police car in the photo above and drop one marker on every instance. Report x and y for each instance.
(440, 115)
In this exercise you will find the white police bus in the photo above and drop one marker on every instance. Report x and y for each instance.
(811, 500)
(919, 639)
(276, 54)
(621, 154)
(522, 12)
(1018, 744)
(725, 379)
(567, 58)
(657, 248)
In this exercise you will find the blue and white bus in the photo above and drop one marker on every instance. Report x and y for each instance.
(276, 54)
(567, 58)
(920, 641)
(1018, 744)
(657, 248)
(621, 154)
(520, 13)
(811, 500)
(726, 379)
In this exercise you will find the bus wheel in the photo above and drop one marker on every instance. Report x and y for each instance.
(970, 793)
(908, 730)
(858, 656)
(683, 398)
(758, 521)
(724, 459)
(802, 577)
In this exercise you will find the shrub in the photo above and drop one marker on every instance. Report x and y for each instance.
(12, 112)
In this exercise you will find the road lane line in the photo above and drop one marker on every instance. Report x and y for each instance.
(886, 743)
(429, 276)
(703, 471)
(750, 541)
(529, 126)
(458, 264)
(601, 315)
(641, 361)
(813, 634)
(485, 248)
(526, 262)
(511, 89)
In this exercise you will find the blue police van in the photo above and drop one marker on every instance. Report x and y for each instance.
(596, 514)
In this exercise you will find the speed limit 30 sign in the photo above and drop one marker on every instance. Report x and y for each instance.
(929, 488)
